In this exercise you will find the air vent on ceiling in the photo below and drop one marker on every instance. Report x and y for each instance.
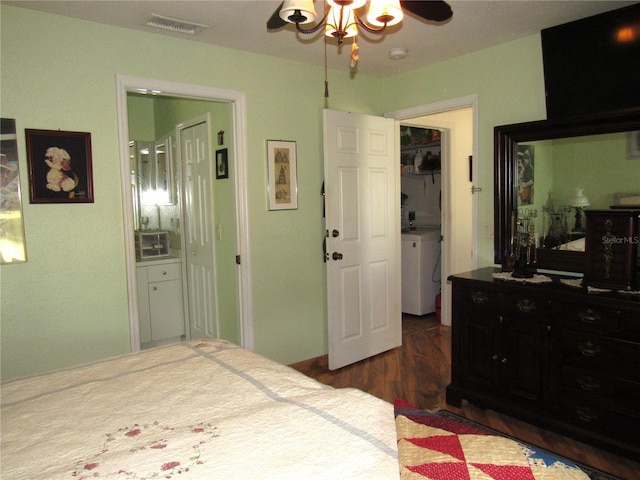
(175, 25)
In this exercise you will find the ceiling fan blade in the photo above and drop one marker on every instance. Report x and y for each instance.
(275, 21)
(438, 11)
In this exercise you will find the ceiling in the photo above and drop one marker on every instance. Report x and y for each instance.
(241, 24)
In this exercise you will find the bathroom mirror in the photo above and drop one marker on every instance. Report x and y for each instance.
(153, 171)
(552, 144)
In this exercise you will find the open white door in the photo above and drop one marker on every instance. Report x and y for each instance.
(362, 201)
(198, 216)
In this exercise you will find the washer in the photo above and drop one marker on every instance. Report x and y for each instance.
(420, 266)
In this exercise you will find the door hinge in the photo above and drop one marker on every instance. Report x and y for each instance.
(238, 259)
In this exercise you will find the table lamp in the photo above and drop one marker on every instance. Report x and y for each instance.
(579, 201)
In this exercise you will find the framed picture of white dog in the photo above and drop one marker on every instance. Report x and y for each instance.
(60, 169)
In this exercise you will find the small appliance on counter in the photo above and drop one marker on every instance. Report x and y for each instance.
(152, 244)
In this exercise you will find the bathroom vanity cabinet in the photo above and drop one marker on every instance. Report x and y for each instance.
(160, 300)
(552, 354)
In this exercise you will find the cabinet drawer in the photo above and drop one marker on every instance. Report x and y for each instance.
(600, 418)
(578, 382)
(479, 299)
(523, 305)
(601, 354)
(588, 318)
(160, 273)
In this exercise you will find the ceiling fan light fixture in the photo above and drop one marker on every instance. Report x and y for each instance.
(298, 11)
(384, 12)
(353, 4)
(340, 29)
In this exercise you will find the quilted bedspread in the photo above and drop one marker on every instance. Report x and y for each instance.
(194, 410)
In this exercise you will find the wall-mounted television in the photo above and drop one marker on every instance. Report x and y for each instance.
(592, 66)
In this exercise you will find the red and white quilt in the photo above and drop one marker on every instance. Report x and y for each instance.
(434, 447)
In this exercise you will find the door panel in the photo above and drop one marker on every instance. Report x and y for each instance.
(362, 195)
(199, 218)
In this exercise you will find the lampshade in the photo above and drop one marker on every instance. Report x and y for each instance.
(348, 27)
(306, 8)
(579, 200)
(384, 11)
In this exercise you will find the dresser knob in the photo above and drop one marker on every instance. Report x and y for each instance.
(588, 383)
(525, 305)
(586, 414)
(588, 349)
(479, 297)
(589, 316)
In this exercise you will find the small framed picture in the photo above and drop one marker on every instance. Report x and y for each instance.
(222, 164)
(633, 145)
(60, 168)
(283, 182)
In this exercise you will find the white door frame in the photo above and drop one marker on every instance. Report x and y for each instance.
(440, 107)
(237, 100)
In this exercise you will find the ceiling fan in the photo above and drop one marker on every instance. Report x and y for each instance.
(301, 12)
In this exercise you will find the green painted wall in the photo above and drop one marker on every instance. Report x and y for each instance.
(68, 303)
(60, 309)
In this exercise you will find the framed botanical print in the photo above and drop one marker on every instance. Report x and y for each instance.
(283, 181)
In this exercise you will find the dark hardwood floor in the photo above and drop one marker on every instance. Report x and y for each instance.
(419, 372)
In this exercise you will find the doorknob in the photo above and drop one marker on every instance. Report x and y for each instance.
(335, 233)
(337, 256)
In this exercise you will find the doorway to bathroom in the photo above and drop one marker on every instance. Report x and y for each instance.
(235, 312)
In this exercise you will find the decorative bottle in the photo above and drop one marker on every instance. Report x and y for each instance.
(417, 162)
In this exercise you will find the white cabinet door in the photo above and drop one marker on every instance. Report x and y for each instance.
(160, 301)
(165, 305)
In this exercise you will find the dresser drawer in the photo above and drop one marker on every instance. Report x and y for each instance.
(524, 305)
(614, 357)
(588, 318)
(161, 273)
(578, 382)
(600, 417)
(479, 299)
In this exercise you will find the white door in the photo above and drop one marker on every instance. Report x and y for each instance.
(197, 213)
(362, 195)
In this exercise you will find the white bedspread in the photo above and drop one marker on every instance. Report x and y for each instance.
(195, 410)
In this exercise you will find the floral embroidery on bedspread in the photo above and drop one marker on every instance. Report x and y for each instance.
(150, 450)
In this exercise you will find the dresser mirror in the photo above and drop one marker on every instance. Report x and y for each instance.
(547, 172)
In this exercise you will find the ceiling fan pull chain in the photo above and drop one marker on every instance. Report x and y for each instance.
(355, 53)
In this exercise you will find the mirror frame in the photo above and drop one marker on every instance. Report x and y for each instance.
(506, 139)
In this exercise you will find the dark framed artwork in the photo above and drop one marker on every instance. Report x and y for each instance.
(60, 166)
(222, 163)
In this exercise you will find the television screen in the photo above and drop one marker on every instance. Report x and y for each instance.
(592, 66)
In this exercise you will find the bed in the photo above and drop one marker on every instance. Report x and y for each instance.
(194, 410)
(209, 409)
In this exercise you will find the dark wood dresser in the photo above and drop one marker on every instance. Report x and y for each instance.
(550, 354)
